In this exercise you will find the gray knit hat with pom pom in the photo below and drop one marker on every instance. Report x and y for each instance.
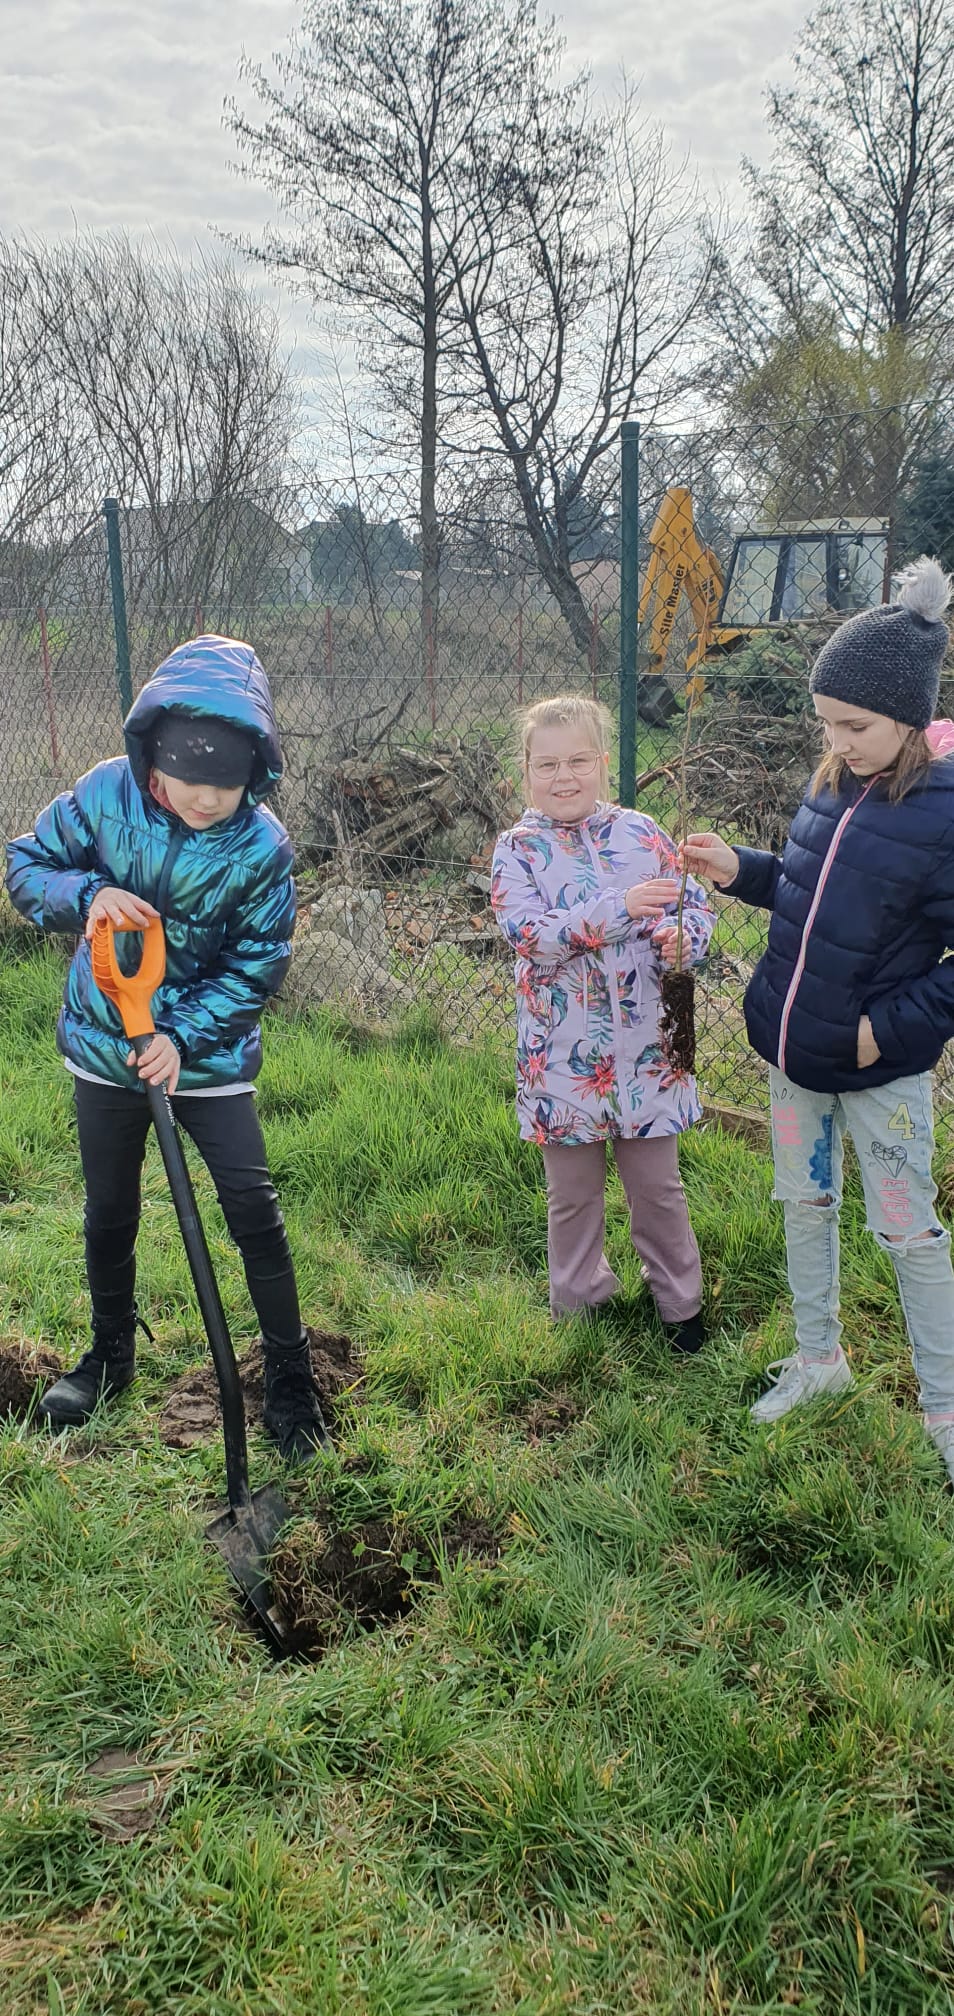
(888, 660)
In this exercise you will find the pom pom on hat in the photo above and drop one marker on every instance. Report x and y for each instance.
(924, 588)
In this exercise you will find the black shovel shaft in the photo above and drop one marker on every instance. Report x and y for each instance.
(206, 1288)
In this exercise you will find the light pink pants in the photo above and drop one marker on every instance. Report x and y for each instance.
(580, 1274)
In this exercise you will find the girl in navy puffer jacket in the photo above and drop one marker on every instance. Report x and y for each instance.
(853, 1001)
(176, 828)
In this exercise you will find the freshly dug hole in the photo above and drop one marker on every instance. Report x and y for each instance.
(677, 1023)
(553, 1414)
(26, 1370)
(372, 1576)
(324, 1581)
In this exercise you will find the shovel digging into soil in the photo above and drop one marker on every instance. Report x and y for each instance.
(244, 1535)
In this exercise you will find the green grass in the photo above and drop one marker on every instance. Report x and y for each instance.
(686, 1747)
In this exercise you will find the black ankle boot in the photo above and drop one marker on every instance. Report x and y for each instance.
(103, 1371)
(291, 1413)
(685, 1339)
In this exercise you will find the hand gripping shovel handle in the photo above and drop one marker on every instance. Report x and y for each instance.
(132, 994)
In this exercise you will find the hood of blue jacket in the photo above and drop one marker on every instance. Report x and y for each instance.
(209, 678)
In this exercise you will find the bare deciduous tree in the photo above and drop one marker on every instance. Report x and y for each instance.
(160, 384)
(579, 286)
(841, 295)
(371, 121)
(857, 207)
(179, 374)
(36, 426)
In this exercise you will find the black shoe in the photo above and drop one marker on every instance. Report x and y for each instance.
(685, 1339)
(103, 1371)
(291, 1413)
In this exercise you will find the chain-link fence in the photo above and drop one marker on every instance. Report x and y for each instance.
(398, 665)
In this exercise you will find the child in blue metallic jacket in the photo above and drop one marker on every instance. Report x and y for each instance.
(176, 828)
(853, 1001)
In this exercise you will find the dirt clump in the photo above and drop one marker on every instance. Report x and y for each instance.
(474, 1538)
(677, 1025)
(192, 1412)
(26, 1370)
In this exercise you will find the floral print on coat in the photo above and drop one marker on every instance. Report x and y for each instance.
(590, 1065)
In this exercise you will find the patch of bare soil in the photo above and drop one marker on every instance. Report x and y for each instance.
(121, 1796)
(192, 1412)
(476, 1539)
(26, 1370)
(325, 1580)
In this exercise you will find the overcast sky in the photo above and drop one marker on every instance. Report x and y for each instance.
(113, 108)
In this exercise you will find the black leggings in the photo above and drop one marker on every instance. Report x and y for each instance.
(113, 1124)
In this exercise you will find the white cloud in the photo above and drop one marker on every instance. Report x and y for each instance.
(113, 116)
(113, 113)
(702, 72)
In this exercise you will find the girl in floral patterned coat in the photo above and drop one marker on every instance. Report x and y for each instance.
(585, 893)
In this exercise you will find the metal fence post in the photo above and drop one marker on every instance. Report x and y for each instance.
(628, 606)
(114, 550)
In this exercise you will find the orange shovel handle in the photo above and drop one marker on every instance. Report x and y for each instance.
(131, 993)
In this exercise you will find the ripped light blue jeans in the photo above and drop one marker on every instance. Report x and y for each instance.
(892, 1127)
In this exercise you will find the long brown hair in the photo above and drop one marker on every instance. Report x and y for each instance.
(914, 761)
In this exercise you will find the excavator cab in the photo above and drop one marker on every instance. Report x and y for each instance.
(805, 574)
(796, 574)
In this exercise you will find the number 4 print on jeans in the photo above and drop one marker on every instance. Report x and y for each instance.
(902, 1123)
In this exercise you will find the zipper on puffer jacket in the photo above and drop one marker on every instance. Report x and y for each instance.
(799, 968)
(173, 851)
(610, 967)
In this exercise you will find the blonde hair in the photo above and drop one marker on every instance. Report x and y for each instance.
(567, 710)
(914, 761)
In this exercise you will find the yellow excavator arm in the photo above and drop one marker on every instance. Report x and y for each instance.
(679, 565)
(796, 574)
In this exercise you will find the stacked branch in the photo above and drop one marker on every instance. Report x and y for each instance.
(387, 810)
(748, 771)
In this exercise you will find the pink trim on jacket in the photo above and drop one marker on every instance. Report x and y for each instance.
(795, 981)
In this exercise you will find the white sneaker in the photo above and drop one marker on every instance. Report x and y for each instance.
(943, 1439)
(797, 1379)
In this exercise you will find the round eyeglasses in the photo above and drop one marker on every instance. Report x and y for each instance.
(578, 766)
